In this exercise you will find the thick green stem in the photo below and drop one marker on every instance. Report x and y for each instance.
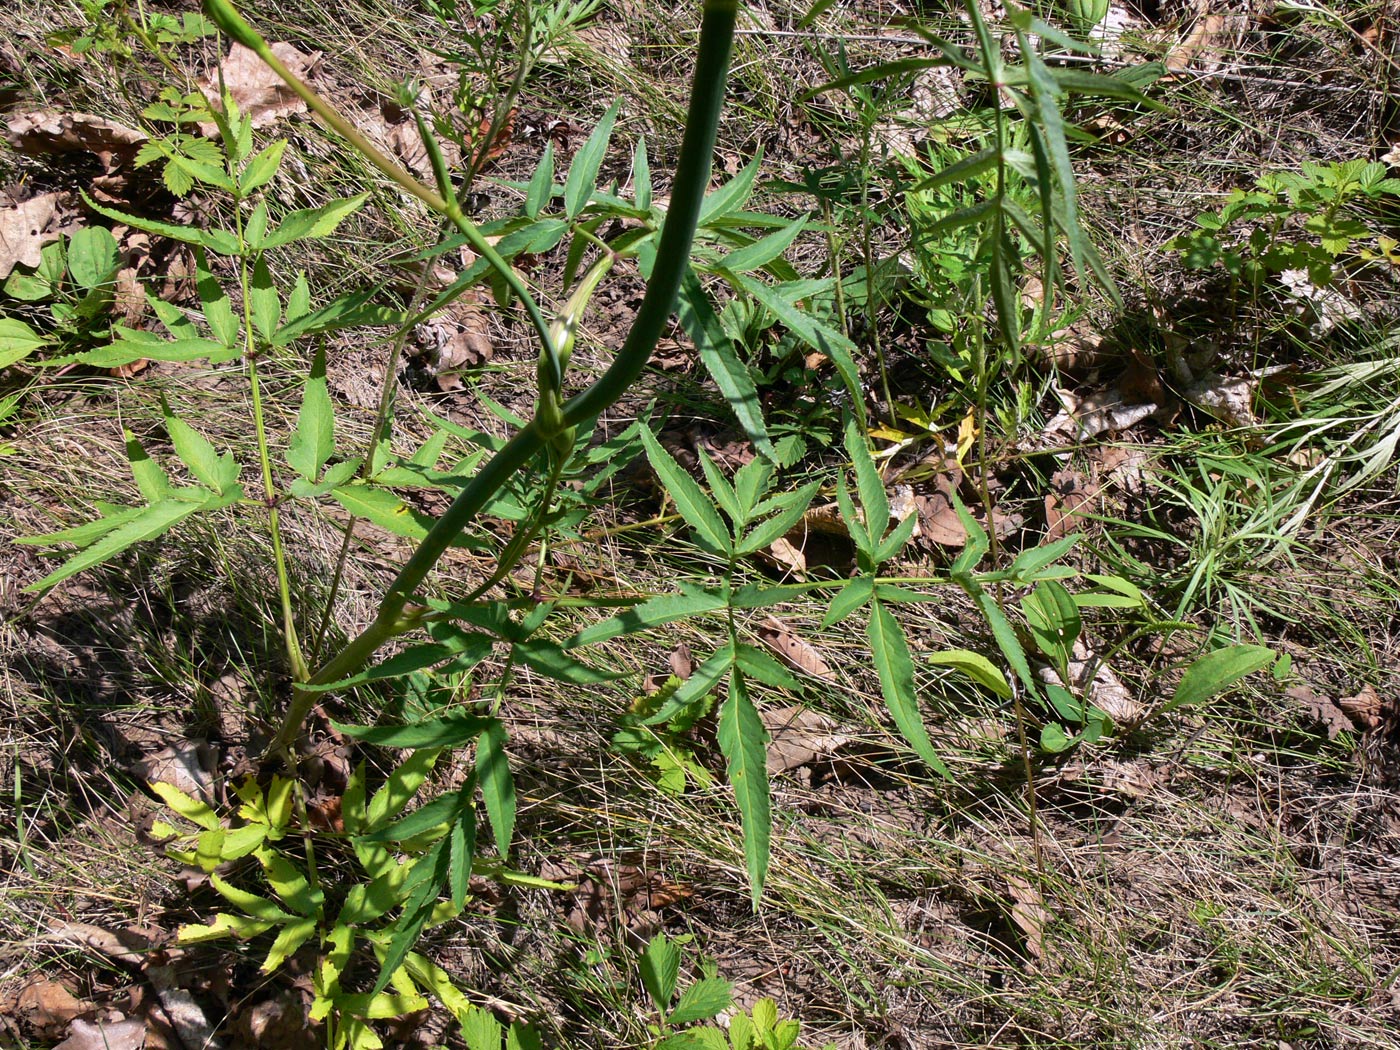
(672, 260)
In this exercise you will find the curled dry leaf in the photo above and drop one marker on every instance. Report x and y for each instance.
(185, 765)
(105, 1035)
(1029, 913)
(1322, 709)
(25, 227)
(1365, 708)
(681, 662)
(260, 93)
(1228, 400)
(1205, 47)
(792, 650)
(124, 946)
(612, 894)
(1086, 416)
(46, 1007)
(799, 736)
(786, 556)
(48, 131)
(456, 338)
(1070, 495)
(672, 355)
(1105, 690)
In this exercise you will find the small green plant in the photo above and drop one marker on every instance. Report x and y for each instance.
(703, 1000)
(666, 748)
(1314, 220)
(415, 865)
(404, 859)
(76, 282)
(109, 29)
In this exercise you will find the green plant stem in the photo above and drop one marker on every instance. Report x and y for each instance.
(672, 259)
(232, 23)
(295, 657)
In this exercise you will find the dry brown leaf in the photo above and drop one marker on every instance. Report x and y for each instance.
(1229, 400)
(25, 227)
(1089, 415)
(457, 337)
(939, 522)
(1322, 709)
(185, 765)
(798, 736)
(792, 650)
(671, 355)
(1029, 913)
(1105, 690)
(787, 556)
(1205, 45)
(1077, 348)
(49, 131)
(1365, 708)
(105, 1035)
(182, 1012)
(681, 662)
(610, 894)
(260, 93)
(124, 946)
(1070, 495)
(1120, 465)
(48, 1007)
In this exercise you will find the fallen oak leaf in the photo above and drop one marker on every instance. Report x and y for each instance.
(1029, 913)
(798, 736)
(260, 94)
(1070, 495)
(1322, 709)
(48, 1007)
(1364, 708)
(105, 1035)
(25, 227)
(48, 131)
(798, 654)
